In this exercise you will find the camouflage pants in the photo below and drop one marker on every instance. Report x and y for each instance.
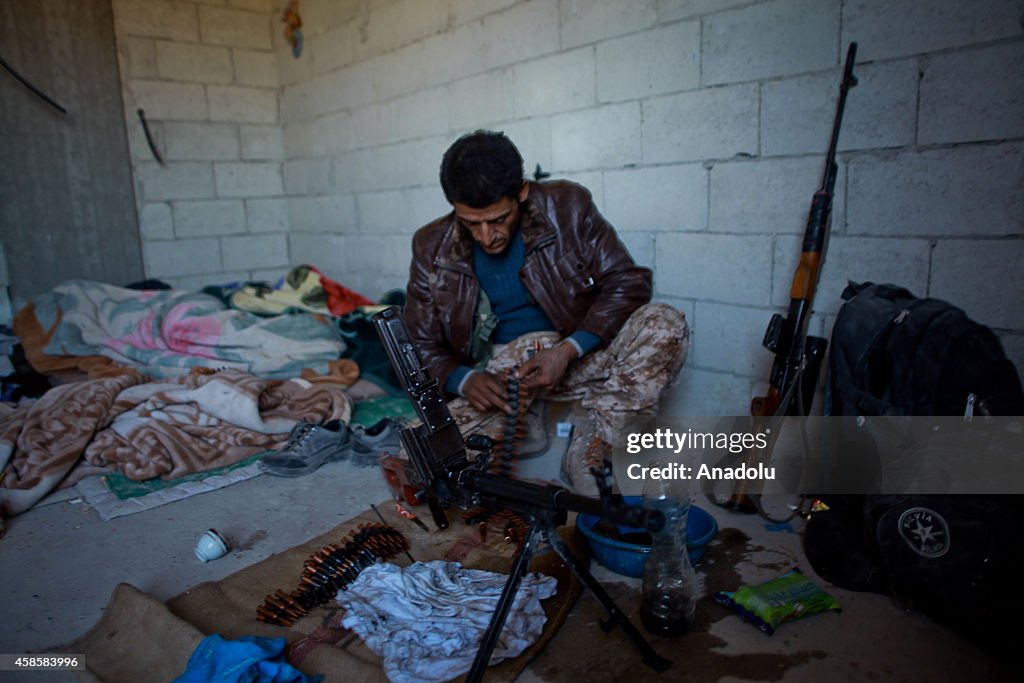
(614, 384)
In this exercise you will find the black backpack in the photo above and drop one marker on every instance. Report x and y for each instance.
(954, 557)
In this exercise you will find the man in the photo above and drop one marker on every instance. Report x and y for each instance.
(528, 279)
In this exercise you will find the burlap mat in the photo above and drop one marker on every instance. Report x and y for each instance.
(139, 638)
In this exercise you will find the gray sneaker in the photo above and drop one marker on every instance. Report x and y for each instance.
(369, 442)
(309, 446)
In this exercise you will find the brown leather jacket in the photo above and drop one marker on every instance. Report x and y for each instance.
(575, 268)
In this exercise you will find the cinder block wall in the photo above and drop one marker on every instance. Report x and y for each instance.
(699, 125)
(205, 74)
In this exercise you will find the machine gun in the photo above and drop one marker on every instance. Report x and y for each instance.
(440, 468)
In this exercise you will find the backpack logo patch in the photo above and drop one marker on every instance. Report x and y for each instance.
(924, 531)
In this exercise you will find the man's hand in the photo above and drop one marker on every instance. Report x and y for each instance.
(547, 367)
(485, 392)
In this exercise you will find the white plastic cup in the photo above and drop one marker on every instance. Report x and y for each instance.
(210, 546)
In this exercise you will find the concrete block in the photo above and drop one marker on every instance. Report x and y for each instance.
(327, 13)
(242, 105)
(266, 215)
(235, 28)
(138, 147)
(456, 54)
(797, 113)
(194, 63)
(886, 29)
(590, 22)
(253, 179)
(774, 38)
(246, 253)
(723, 268)
(399, 23)
(407, 70)
(272, 275)
(728, 338)
(156, 19)
(672, 10)
(331, 133)
(593, 181)
(333, 48)
(983, 278)
(658, 198)
(208, 218)
(973, 95)
(533, 139)
(195, 283)
(603, 137)
(707, 392)
(347, 88)
(378, 254)
(325, 251)
(640, 246)
(335, 213)
(407, 164)
(163, 100)
(557, 83)
(176, 180)
(301, 140)
(969, 190)
(155, 222)
(860, 259)
(463, 11)
(136, 57)
(296, 103)
(308, 176)
(472, 100)
(525, 31)
(201, 141)
(718, 123)
(421, 114)
(763, 195)
(181, 257)
(252, 5)
(662, 60)
(262, 142)
(401, 211)
(291, 70)
(255, 67)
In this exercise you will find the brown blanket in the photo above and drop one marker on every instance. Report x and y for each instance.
(152, 429)
(139, 638)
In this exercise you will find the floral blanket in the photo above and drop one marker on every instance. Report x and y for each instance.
(166, 333)
(151, 429)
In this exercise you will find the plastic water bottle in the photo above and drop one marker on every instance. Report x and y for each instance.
(670, 583)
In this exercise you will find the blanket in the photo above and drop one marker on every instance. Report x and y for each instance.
(141, 639)
(166, 333)
(152, 429)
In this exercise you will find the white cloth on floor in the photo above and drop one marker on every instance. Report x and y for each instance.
(426, 620)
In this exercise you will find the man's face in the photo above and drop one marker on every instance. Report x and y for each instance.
(492, 226)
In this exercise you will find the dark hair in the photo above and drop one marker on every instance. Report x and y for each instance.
(480, 169)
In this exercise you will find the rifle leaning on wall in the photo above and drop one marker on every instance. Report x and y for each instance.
(798, 356)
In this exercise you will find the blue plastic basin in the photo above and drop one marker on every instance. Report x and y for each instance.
(628, 558)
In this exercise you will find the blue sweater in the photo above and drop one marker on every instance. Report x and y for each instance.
(515, 309)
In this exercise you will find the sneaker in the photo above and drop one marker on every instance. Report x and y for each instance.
(369, 442)
(309, 446)
(587, 450)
